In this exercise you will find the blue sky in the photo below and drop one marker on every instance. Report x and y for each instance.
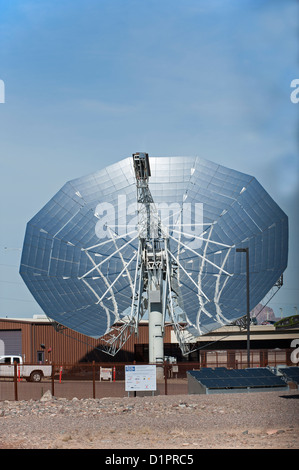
(90, 82)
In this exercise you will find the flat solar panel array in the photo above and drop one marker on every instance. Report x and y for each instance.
(291, 374)
(222, 378)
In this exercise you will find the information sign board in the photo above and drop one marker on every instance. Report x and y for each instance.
(105, 373)
(140, 378)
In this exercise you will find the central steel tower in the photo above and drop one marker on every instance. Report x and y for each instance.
(152, 258)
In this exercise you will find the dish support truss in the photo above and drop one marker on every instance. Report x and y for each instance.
(155, 274)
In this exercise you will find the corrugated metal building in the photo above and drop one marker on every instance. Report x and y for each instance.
(37, 341)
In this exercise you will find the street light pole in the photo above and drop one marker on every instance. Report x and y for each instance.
(246, 250)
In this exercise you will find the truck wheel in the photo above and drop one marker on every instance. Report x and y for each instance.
(35, 376)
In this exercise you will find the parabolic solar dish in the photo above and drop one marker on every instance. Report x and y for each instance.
(84, 263)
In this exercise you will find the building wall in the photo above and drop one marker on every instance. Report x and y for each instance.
(69, 346)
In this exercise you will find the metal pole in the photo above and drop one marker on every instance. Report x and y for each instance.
(165, 376)
(246, 250)
(52, 378)
(16, 380)
(248, 307)
(93, 379)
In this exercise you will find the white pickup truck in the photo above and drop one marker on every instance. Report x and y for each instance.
(32, 373)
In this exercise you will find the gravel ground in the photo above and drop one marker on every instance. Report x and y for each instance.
(264, 420)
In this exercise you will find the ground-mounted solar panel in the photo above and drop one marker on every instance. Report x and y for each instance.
(246, 380)
(90, 253)
(242, 373)
(291, 374)
(209, 383)
(259, 371)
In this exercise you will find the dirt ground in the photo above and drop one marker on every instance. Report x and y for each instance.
(259, 420)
